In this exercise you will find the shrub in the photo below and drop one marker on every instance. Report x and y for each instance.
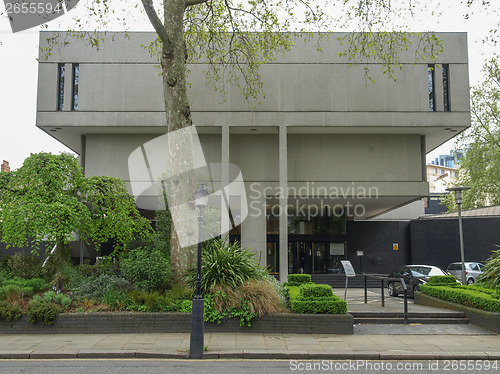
(463, 295)
(442, 280)
(225, 264)
(116, 299)
(10, 292)
(153, 302)
(46, 308)
(24, 265)
(180, 291)
(16, 288)
(313, 291)
(491, 271)
(149, 270)
(324, 305)
(316, 299)
(94, 288)
(9, 311)
(298, 279)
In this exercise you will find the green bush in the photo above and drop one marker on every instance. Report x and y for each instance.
(149, 270)
(24, 265)
(463, 295)
(313, 291)
(37, 284)
(46, 308)
(116, 299)
(225, 264)
(10, 292)
(94, 288)
(324, 305)
(9, 311)
(152, 301)
(315, 299)
(442, 280)
(298, 279)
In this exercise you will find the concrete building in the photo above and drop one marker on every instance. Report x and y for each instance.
(343, 149)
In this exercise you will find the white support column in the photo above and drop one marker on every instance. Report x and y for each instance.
(283, 201)
(225, 172)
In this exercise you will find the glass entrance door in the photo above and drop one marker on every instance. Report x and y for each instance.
(311, 257)
(272, 257)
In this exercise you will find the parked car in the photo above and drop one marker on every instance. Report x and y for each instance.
(414, 276)
(472, 271)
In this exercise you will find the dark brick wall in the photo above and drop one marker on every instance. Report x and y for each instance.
(436, 242)
(375, 239)
(108, 323)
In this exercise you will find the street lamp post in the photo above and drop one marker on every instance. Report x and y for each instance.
(458, 199)
(197, 334)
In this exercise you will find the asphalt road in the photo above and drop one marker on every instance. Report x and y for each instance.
(132, 366)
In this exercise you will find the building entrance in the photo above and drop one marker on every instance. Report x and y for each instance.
(315, 257)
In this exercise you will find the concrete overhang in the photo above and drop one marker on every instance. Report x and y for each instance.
(68, 127)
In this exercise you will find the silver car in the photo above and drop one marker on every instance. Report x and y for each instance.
(472, 271)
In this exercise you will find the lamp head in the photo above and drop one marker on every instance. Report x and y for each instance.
(201, 196)
(458, 192)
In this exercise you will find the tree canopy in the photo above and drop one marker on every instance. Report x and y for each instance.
(48, 200)
(480, 165)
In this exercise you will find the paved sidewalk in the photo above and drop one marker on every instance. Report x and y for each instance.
(369, 341)
(252, 345)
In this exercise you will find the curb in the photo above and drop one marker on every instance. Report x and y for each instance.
(253, 355)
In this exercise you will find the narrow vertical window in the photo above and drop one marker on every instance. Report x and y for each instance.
(446, 87)
(432, 94)
(76, 77)
(60, 86)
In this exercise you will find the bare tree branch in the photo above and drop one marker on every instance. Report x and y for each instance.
(155, 21)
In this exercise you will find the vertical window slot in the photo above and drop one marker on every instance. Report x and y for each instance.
(446, 87)
(76, 78)
(60, 86)
(432, 93)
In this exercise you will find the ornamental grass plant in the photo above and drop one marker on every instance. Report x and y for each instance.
(224, 264)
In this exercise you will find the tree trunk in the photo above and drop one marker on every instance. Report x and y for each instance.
(61, 250)
(178, 113)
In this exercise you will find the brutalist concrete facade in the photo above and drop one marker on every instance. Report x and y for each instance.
(322, 128)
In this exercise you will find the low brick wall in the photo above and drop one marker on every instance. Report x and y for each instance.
(479, 317)
(109, 323)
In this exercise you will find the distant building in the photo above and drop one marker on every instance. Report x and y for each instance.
(450, 161)
(440, 177)
(5, 166)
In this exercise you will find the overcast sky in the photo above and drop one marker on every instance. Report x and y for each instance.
(18, 78)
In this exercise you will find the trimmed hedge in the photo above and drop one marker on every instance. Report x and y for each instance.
(324, 305)
(438, 280)
(313, 291)
(463, 295)
(297, 280)
(317, 299)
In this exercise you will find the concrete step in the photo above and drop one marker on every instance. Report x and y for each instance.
(423, 321)
(393, 314)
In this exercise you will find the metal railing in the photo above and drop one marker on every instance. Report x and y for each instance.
(383, 278)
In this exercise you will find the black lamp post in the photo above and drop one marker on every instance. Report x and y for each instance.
(458, 199)
(197, 335)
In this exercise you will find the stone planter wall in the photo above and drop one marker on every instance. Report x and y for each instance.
(109, 323)
(479, 317)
